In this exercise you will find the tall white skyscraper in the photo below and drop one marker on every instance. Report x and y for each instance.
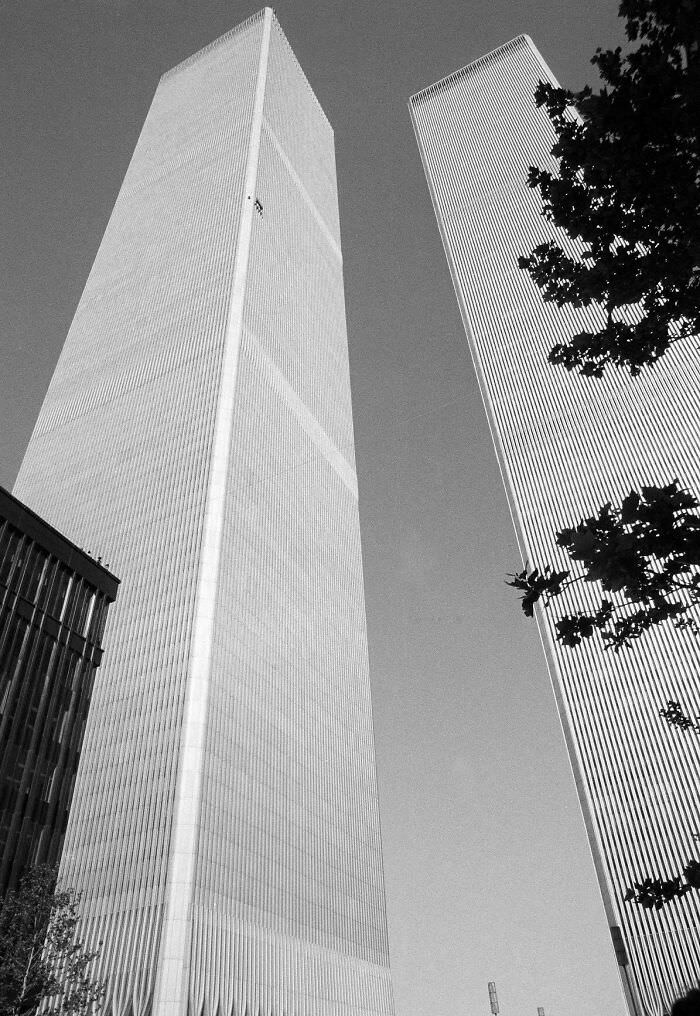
(198, 430)
(566, 445)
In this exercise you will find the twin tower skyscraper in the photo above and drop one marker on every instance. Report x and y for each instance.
(224, 833)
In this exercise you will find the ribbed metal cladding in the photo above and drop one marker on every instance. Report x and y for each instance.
(198, 428)
(565, 446)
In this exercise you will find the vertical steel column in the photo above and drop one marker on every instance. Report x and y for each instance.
(173, 965)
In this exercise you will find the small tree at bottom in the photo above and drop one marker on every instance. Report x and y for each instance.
(41, 963)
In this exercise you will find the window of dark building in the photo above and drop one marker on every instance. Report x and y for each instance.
(46, 584)
(33, 572)
(97, 623)
(41, 671)
(78, 605)
(11, 540)
(11, 647)
(59, 588)
(13, 561)
(89, 613)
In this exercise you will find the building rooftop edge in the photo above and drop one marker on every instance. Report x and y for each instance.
(55, 542)
(242, 26)
(519, 40)
(203, 50)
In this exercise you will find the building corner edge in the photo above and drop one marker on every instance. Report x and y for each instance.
(171, 991)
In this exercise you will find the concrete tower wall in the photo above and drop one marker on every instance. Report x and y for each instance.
(225, 831)
(566, 445)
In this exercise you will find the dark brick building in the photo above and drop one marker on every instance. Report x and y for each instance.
(53, 606)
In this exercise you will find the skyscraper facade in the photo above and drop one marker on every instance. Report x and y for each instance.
(225, 830)
(566, 445)
(54, 600)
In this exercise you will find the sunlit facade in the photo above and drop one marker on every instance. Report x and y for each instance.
(566, 445)
(198, 428)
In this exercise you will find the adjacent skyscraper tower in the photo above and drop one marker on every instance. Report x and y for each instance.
(198, 429)
(566, 445)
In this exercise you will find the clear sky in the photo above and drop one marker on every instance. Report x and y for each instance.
(487, 867)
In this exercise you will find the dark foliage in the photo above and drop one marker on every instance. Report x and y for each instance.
(688, 1005)
(627, 192)
(654, 893)
(644, 557)
(40, 960)
(675, 717)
